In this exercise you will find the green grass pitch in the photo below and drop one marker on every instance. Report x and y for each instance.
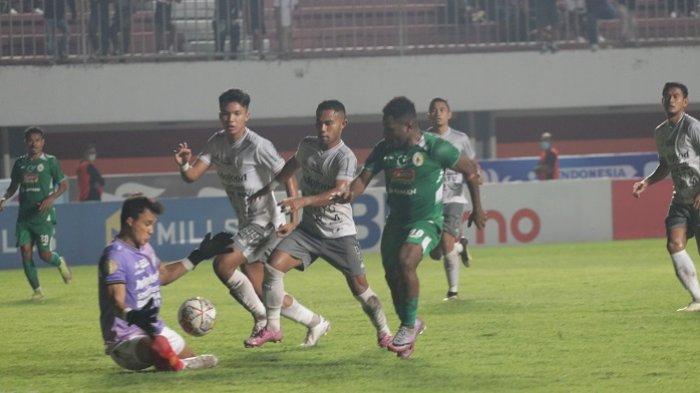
(585, 317)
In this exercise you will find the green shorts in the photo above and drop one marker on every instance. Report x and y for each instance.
(423, 233)
(40, 234)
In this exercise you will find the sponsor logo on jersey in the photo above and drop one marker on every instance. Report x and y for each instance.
(402, 175)
(401, 191)
(31, 178)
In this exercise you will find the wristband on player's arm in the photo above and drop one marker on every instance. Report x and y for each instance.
(186, 167)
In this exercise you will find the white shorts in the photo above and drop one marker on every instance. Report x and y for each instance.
(126, 353)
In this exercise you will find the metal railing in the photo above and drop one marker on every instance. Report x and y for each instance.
(43, 31)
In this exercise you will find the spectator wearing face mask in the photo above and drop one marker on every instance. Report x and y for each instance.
(548, 166)
(90, 181)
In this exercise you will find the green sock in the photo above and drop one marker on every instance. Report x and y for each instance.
(31, 273)
(410, 312)
(55, 259)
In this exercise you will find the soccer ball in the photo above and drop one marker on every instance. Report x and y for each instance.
(196, 316)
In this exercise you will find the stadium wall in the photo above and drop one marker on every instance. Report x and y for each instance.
(519, 213)
(184, 91)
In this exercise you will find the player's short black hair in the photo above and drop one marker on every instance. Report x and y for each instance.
(400, 108)
(435, 101)
(33, 130)
(670, 85)
(234, 95)
(333, 105)
(137, 204)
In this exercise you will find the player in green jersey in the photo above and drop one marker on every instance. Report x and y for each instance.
(413, 163)
(40, 181)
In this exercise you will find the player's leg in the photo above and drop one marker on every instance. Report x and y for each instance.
(679, 226)
(26, 247)
(422, 238)
(345, 255)
(239, 285)
(45, 243)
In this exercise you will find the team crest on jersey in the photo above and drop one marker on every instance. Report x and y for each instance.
(403, 175)
(418, 159)
(40, 167)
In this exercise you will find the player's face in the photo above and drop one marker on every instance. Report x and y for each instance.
(395, 132)
(234, 118)
(141, 229)
(329, 126)
(35, 144)
(674, 102)
(440, 114)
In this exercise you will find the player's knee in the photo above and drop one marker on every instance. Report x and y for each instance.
(674, 245)
(46, 256)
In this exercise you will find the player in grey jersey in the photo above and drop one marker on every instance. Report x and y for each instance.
(327, 229)
(453, 243)
(678, 144)
(245, 162)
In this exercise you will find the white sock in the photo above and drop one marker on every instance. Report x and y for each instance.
(685, 271)
(298, 313)
(373, 308)
(242, 290)
(457, 247)
(273, 288)
(451, 262)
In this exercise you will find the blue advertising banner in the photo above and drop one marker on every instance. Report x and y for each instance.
(615, 166)
(84, 229)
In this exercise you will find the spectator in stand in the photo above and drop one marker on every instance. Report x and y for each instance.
(99, 21)
(597, 9)
(628, 29)
(121, 26)
(284, 14)
(548, 166)
(164, 21)
(682, 8)
(90, 181)
(256, 24)
(547, 17)
(55, 17)
(227, 23)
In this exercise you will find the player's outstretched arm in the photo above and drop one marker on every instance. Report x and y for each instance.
(292, 194)
(470, 170)
(8, 194)
(189, 172)
(357, 187)
(660, 173)
(322, 199)
(209, 247)
(287, 172)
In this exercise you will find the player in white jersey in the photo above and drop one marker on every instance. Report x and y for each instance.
(453, 244)
(678, 144)
(245, 162)
(327, 229)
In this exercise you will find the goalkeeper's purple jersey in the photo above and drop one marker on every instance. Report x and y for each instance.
(138, 270)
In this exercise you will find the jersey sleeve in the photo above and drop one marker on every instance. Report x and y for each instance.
(269, 157)
(374, 161)
(347, 165)
(56, 172)
(300, 154)
(16, 175)
(694, 133)
(206, 154)
(112, 268)
(444, 153)
(468, 149)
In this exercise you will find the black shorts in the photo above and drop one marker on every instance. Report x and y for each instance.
(683, 215)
